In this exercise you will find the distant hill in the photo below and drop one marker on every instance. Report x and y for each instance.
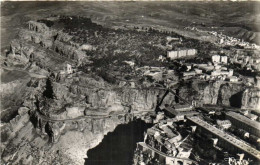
(239, 19)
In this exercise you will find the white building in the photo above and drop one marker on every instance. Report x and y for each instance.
(257, 82)
(181, 53)
(191, 73)
(224, 59)
(131, 63)
(230, 72)
(191, 52)
(69, 69)
(224, 123)
(216, 58)
(172, 54)
(161, 58)
(188, 67)
(198, 71)
(233, 79)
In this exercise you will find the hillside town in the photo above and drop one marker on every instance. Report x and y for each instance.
(71, 84)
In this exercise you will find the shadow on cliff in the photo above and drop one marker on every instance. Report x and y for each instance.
(236, 100)
(117, 148)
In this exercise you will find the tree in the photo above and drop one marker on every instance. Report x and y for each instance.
(48, 90)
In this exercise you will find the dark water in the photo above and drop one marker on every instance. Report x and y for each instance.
(117, 148)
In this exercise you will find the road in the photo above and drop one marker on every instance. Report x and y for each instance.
(45, 118)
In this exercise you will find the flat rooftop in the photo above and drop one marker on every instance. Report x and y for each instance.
(244, 119)
(180, 113)
(232, 140)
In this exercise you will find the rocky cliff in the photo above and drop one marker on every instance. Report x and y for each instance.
(62, 117)
(34, 146)
(64, 139)
(53, 39)
(217, 92)
(251, 99)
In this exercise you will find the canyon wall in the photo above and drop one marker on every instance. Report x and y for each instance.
(251, 99)
(52, 39)
(35, 147)
(63, 136)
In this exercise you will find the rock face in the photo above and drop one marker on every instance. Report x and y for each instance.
(231, 95)
(59, 128)
(37, 26)
(97, 94)
(211, 93)
(228, 94)
(52, 140)
(251, 99)
(77, 137)
(52, 39)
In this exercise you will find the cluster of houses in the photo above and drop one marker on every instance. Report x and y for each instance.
(166, 144)
(227, 40)
(232, 41)
(216, 69)
(251, 63)
(159, 74)
(212, 70)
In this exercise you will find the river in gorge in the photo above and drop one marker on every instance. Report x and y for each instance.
(117, 147)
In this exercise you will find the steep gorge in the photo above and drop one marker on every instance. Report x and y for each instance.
(51, 126)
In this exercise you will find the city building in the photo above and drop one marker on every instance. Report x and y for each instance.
(188, 67)
(224, 140)
(179, 114)
(257, 82)
(183, 107)
(222, 72)
(172, 55)
(69, 69)
(225, 124)
(191, 52)
(161, 157)
(175, 54)
(182, 53)
(160, 116)
(198, 71)
(166, 144)
(233, 79)
(240, 121)
(205, 67)
(191, 73)
(161, 58)
(169, 39)
(224, 59)
(215, 58)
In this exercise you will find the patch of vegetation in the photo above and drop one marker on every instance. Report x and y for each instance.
(48, 93)
(72, 23)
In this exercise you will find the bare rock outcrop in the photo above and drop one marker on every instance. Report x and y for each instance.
(211, 93)
(231, 95)
(37, 26)
(251, 99)
(200, 92)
